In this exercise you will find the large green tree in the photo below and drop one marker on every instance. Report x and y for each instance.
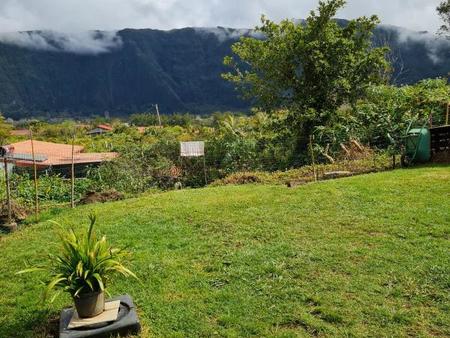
(444, 13)
(309, 68)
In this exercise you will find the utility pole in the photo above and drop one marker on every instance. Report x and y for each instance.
(159, 116)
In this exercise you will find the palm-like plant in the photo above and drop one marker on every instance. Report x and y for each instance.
(85, 264)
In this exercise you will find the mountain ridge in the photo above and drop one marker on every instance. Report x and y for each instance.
(130, 70)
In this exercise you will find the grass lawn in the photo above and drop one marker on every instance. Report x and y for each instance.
(362, 256)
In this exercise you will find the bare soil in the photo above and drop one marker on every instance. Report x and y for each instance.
(102, 197)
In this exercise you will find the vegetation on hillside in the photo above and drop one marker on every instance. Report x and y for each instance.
(260, 142)
(178, 69)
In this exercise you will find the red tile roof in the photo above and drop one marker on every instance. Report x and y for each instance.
(56, 154)
(105, 127)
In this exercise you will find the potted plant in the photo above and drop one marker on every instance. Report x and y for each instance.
(83, 268)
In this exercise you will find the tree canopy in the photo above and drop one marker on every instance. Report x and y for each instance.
(444, 13)
(309, 68)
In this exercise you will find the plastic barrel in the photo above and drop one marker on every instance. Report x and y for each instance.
(418, 145)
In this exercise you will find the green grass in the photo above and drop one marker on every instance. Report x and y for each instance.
(361, 256)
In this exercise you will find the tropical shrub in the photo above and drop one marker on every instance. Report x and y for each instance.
(86, 263)
(51, 188)
(385, 116)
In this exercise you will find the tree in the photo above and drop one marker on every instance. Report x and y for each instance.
(309, 68)
(444, 13)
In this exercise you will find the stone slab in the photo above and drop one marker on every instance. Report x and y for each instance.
(109, 315)
(127, 322)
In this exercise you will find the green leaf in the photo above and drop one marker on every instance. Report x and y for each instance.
(99, 280)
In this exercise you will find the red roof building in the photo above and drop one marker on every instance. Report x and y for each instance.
(101, 129)
(48, 154)
(105, 127)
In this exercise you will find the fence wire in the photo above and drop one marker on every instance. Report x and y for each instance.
(37, 174)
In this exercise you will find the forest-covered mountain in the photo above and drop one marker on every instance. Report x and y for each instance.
(45, 74)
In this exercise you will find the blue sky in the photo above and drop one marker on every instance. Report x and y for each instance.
(79, 15)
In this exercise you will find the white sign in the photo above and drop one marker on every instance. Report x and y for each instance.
(192, 149)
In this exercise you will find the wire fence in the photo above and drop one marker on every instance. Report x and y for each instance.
(37, 174)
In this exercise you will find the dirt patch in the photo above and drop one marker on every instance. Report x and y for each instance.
(299, 182)
(242, 178)
(336, 174)
(18, 212)
(102, 197)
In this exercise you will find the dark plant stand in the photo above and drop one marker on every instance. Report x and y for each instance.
(127, 323)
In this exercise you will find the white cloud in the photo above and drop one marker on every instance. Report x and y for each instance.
(435, 46)
(78, 15)
(70, 16)
(224, 33)
(87, 42)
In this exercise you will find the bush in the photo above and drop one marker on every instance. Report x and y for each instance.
(137, 170)
(377, 162)
(51, 188)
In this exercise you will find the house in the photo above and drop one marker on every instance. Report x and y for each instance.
(100, 129)
(53, 157)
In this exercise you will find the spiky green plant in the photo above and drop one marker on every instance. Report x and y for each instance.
(86, 263)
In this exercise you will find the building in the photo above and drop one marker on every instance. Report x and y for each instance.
(52, 157)
(100, 129)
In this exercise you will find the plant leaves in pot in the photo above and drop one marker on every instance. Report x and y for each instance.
(83, 267)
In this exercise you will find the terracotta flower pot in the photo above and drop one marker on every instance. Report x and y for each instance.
(90, 304)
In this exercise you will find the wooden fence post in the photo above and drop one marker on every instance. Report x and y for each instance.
(8, 190)
(204, 169)
(36, 193)
(313, 161)
(448, 114)
(72, 199)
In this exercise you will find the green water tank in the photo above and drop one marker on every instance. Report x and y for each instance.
(418, 145)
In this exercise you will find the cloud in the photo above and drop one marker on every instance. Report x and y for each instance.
(76, 15)
(223, 34)
(111, 15)
(436, 47)
(88, 42)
